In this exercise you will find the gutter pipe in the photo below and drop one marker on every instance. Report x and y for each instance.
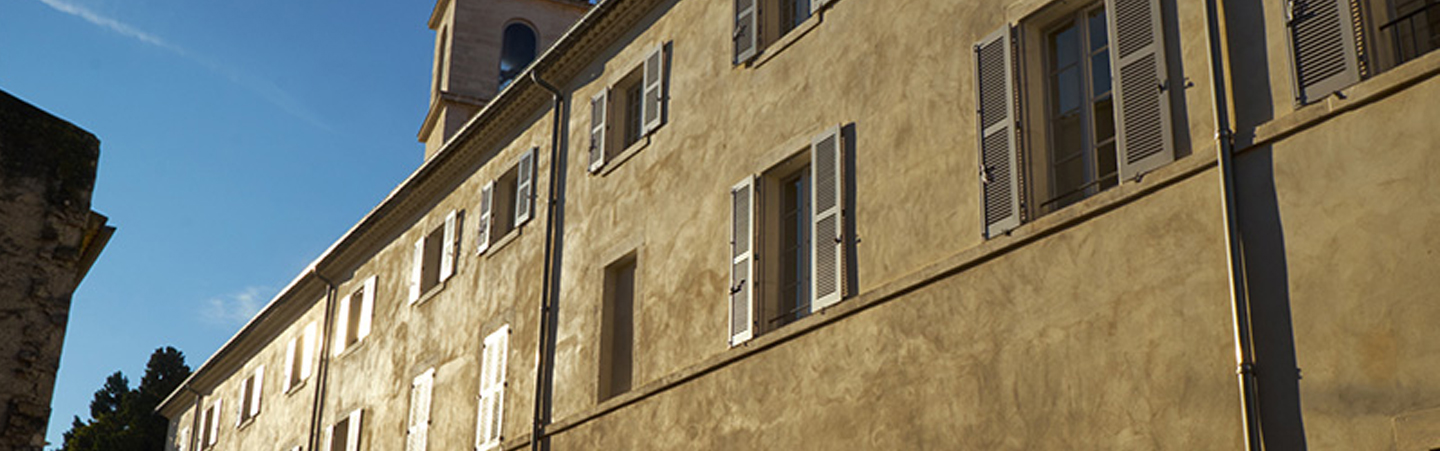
(322, 370)
(547, 295)
(194, 418)
(1240, 301)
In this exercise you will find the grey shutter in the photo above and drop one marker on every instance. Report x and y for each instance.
(1323, 47)
(742, 261)
(525, 187)
(599, 124)
(999, 158)
(487, 200)
(827, 204)
(652, 108)
(747, 30)
(1142, 105)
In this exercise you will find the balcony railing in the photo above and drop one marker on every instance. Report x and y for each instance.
(1413, 34)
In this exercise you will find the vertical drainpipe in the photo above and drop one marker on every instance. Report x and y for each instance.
(322, 370)
(547, 313)
(195, 417)
(1240, 301)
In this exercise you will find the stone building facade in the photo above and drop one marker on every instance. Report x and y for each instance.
(919, 224)
(49, 237)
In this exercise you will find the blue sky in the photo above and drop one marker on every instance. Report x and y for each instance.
(238, 140)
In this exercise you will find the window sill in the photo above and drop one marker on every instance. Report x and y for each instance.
(499, 244)
(296, 388)
(625, 155)
(351, 349)
(790, 37)
(432, 292)
(246, 422)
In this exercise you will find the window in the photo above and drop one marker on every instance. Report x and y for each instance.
(516, 52)
(353, 322)
(344, 435)
(210, 424)
(441, 53)
(617, 329)
(508, 202)
(300, 358)
(492, 389)
(1335, 43)
(760, 23)
(792, 213)
(639, 102)
(1103, 116)
(434, 257)
(248, 404)
(418, 431)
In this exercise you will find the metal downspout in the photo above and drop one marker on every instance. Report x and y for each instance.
(194, 418)
(1240, 302)
(322, 370)
(543, 368)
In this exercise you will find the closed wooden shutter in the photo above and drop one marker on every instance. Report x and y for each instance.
(999, 158)
(747, 30)
(1322, 47)
(448, 245)
(487, 203)
(827, 200)
(492, 389)
(599, 124)
(367, 309)
(742, 261)
(292, 352)
(419, 429)
(256, 390)
(525, 187)
(352, 439)
(307, 351)
(652, 108)
(1142, 103)
(417, 268)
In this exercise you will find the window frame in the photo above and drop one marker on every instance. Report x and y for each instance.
(363, 298)
(617, 130)
(507, 203)
(433, 259)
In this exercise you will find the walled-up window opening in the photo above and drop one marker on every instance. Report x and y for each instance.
(440, 57)
(516, 52)
(1081, 110)
(617, 336)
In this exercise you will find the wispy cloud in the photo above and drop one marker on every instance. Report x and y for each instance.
(233, 309)
(265, 89)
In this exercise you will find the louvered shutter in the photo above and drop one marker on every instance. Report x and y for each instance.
(241, 397)
(999, 158)
(307, 352)
(447, 246)
(742, 261)
(342, 322)
(367, 309)
(352, 431)
(417, 268)
(1322, 46)
(256, 390)
(487, 201)
(525, 187)
(827, 204)
(330, 438)
(419, 430)
(599, 124)
(817, 5)
(291, 353)
(215, 420)
(652, 109)
(747, 30)
(1142, 103)
(492, 389)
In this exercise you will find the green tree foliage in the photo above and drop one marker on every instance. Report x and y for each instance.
(123, 419)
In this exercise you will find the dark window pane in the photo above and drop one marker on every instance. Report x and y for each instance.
(1067, 91)
(1069, 139)
(1109, 177)
(517, 51)
(1098, 36)
(1100, 73)
(1104, 119)
(1066, 46)
(1069, 177)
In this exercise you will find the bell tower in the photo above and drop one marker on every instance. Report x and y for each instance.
(480, 47)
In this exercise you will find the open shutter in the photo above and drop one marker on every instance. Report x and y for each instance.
(1323, 47)
(487, 201)
(419, 430)
(342, 322)
(525, 187)
(747, 30)
(215, 420)
(182, 440)
(307, 352)
(599, 124)
(241, 397)
(291, 352)
(827, 204)
(447, 246)
(417, 266)
(330, 438)
(255, 390)
(492, 389)
(367, 309)
(1142, 103)
(352, 432)
(742, 261)
(652, 109)
(999, 158)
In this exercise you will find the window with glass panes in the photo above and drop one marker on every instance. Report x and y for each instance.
(1081, 113)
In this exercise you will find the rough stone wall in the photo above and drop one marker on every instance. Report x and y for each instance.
(47, 173)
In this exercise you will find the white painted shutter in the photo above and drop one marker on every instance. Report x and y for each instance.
(1142, 103)
(817, 5)
(417, 435)
(367, 309)
(1323, 47)
(747, 30)
(307, 352)
(183, 439)
(447, 251)
(599, 125)
(652, 109)
(492, 389)
(487, 202)
(330, 438)
(352, 438)
(742, 261)
(240, 398)
(255, 390)
(999, 158)
(417, 265)
(827, 206)
(290, 354)
(525, 187)
(342, 322)
(215, 420)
